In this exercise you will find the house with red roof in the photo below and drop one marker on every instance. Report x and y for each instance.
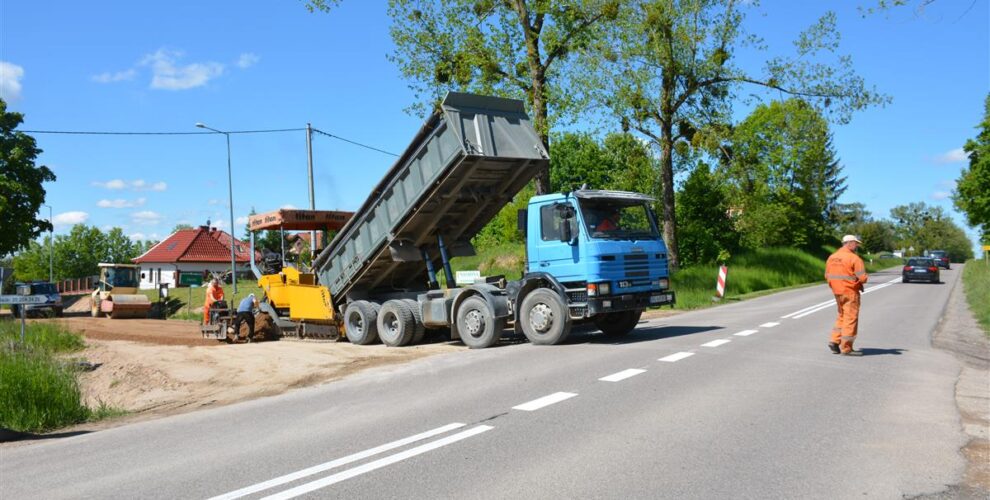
(187, 256)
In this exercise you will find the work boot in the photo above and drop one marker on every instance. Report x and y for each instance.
(834, 347)
(853, 353)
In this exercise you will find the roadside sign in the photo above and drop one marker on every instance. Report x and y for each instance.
(23, 299)
(190, 279)
(986, 248)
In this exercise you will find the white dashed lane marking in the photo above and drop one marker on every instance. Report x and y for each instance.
(716, 343)
(745, 333)
(676, 357)
(624, 374)
(536, 404)
(769, 325)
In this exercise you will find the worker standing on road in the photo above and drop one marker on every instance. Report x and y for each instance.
(245, 312)
(846, 275)
(214, 292)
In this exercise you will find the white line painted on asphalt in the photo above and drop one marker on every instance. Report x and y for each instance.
(676, 357)
(716, 343)
(831, 303)
(316, 469)
(624, 374)
(745, 333)
(769, 325)
(536, 404)
(799, 311)
(377, 464)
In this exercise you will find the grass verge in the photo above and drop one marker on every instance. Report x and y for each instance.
(976, 283)
(39, 389)
(182, 301)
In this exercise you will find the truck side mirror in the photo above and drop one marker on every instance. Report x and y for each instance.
(521, 220)
(565, 231)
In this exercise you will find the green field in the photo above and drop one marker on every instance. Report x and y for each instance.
(38, 387)
(976, 283)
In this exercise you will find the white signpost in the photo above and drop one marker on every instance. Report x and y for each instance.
(22, 299)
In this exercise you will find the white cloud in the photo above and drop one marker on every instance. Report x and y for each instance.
(135, 185)
(121, 203)
(167, 76)
(118, 76)
(10, 81)
(219, 223)
(288, 206)
(147, 217)
(137, 236)
(247, 60)
(70, 218)
(240, 221)
(159, 186)
(213, 201)
(941, 195)
(954, 156)
(111, 184)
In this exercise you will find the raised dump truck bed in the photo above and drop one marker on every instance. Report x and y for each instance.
(464, 165)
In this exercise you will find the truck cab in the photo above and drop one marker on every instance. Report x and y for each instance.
(603, 247)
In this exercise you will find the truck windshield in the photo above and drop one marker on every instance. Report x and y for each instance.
(615, 220)
(122, 276)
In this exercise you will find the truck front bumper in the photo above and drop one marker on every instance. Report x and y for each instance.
(625, 302)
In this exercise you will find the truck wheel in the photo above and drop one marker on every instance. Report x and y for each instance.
(476, 325)
(360, 320)
(420, 327)
(544, 317)
(396, 324)
(618, 323)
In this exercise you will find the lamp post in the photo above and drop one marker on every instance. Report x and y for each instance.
(230, 200)
(51, 243)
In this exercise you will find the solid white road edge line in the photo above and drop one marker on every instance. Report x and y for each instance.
(536, 404)
(676, 357)
(624, 374)
(716, 343)
(769, 325)
(288, 478)
(745, 333)
(377, 464)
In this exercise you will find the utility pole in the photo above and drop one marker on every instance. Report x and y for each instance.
(312, 196)
(51, 245)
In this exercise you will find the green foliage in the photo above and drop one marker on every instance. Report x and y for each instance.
(77, 254)
(706, 232)
(42, 336)
(504, 228)
(619, 162)
(976, 283)
(972, 195)
(180, 227)
(926, 227)
(21, 185)
(506, 259)
(784, 176)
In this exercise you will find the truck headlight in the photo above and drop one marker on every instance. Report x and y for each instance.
(661, 283)
(604, 288)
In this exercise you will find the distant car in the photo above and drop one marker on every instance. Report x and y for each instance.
(920, 269)
(941, 257)
(52, 306)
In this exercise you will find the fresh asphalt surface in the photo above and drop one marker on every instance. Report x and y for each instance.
(681, 414)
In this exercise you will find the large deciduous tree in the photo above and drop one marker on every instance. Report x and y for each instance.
(925, 227)
(512, 48)
(706, 228)
(784, 176)
(667, 70)
(972, 195)
(21, 184)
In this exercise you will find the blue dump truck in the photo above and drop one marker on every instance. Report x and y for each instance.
(591, 255)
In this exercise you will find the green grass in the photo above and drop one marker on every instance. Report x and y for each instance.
(39, 390)
(182, 301)
(976, 283)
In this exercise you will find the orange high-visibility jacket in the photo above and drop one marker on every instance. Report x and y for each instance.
(845, 272)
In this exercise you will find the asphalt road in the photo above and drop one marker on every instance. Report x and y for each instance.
(739, 401)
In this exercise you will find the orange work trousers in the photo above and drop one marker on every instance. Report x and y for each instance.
(846, 325)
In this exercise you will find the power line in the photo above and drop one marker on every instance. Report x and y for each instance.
(76, 132)
(354, 142)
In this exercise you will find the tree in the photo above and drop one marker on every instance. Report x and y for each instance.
(512, 48)
(784, 176)
(620, 161)
(706, 230)
(180, 227)
(972, 194)
(926, 227)
(21, 185)
(666, 71)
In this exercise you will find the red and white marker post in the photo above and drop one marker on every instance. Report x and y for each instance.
(723, 271)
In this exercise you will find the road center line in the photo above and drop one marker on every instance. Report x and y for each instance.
(745, 333)
(624, 374)
(769, 325)
(676, 357)
(536, 404)
(716, 343)
(831, 303)
(377, 464)
(288, 478)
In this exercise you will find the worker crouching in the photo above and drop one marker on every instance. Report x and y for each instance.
(846, 275)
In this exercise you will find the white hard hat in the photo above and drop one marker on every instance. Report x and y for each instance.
(850, 237)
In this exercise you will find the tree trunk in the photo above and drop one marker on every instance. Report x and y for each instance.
(667, 194)
(540, 122)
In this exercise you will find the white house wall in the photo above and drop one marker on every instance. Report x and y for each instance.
(158, 273)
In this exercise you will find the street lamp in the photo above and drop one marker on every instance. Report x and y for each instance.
(51, 243)
(230, 200)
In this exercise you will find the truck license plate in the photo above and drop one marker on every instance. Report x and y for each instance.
(656, 299)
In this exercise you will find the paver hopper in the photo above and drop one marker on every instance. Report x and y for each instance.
(116, 296)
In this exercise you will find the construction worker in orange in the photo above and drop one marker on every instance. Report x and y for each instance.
(214, 292)
(846, 275)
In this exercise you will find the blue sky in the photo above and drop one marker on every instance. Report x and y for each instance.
(136, 66)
